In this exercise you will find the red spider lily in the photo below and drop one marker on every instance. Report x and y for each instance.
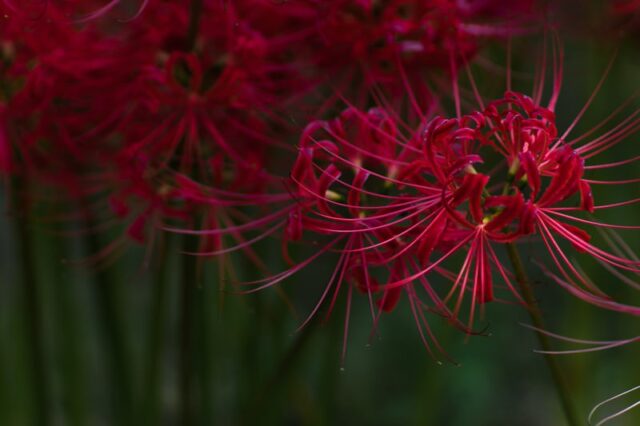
(166, 130)
(405, 201)
(136, 122)
(21, 47)
(544, 171)
(345, 181)
(404, 215)
(50, 68)
(216, 103)
(374, 43)
(214, 107)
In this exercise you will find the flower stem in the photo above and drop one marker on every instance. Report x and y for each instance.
(205, 353)
(112, 324)
(290, 358)
(536, 317)
(31, 309)
(68, 339)
(278, 381)
(156, 337)
(185, 358)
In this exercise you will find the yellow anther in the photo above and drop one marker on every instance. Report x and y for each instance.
(513, 169)
(357, 164)
(332, 195)
(391, 174)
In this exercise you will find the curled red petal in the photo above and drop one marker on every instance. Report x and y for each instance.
(530, 168)
(586, 197)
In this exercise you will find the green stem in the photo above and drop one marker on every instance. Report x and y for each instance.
(206, 354)
(329, 379)
(288, 362)
(108, 303)
(155, 343)
(69, 348)
(32, 317)
(282, 373)
(188, 286)
(536, 318)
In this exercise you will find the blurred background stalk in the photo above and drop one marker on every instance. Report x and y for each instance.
(112, 324)
(188, 287)
(31, 304)
(68, 345)
(559, 380)
(155, 349)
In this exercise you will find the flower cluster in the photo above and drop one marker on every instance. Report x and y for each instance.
(177, 116)
(439, 197)
(152, 119)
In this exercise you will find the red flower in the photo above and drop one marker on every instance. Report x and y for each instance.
(370, 49)
(152, 133)
(400, 200)
(544, 175)
(346, 182)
